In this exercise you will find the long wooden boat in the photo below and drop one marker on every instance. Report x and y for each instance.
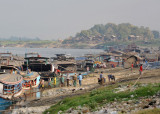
(38, 64)
(10, 85)
(30, 80)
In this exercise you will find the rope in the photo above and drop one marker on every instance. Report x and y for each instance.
(139, 77)
(136, 81)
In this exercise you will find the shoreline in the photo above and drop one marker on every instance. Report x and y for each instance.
(54, 95)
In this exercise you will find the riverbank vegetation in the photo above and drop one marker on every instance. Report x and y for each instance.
(29, 43)
(98, 97)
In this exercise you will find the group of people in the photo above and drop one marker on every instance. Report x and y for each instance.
(140, 68)
(73, 79)
(69, 79)
(102, 80)
(100, 65)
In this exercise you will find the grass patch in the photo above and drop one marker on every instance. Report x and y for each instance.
(101, 96)
(149, 111)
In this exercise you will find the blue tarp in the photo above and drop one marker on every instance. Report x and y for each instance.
(80, 58)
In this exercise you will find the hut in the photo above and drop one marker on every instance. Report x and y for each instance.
(132, 59)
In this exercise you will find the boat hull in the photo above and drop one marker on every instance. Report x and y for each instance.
(11, 96)
(32, 81)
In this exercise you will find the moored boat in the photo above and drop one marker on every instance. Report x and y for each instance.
(10, 85)
(38, 64)
(31, 80)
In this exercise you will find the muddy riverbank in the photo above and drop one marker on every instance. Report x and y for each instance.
(54, 95)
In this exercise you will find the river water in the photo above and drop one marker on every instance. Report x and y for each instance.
(4, 104)
(49, 52)
(46, 52)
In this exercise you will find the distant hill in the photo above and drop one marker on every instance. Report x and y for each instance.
(111, 32)
(15, 38)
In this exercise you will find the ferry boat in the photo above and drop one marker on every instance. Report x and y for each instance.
(10, 85)
(30, 80)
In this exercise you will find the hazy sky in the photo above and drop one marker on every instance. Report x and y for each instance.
(53, 19)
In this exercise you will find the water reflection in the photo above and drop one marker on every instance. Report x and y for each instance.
(4, 104)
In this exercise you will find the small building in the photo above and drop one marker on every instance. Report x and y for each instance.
(135, 59)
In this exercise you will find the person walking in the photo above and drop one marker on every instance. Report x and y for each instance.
(42, 83)
(49, 82)
(132, 65)
(140, 69)
(100, 77)
(54, 81)
(62, 81)
(75, 80)
(80, 79)
(68, 77)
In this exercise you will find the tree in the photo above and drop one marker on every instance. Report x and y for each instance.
(156, 34)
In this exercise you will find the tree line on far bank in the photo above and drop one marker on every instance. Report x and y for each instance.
(111, 32)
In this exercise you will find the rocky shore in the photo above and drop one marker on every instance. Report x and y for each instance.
(118, 107)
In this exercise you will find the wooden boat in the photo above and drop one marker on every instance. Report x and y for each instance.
(65, 63)
(8, 59)
(31, 80)
(4, 69)
(10, 85)
(38, 64)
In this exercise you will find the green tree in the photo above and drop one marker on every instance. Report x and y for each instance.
(156, 34)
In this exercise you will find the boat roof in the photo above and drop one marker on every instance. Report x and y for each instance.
(8, 67)
(30, 76)
(36, 58)
(5, 53)
(64, 62)
(32, 53)
(10, 79)
(60, 54)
